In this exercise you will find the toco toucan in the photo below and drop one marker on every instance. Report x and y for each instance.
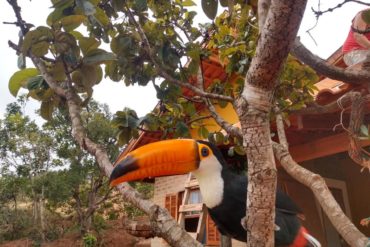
(223, 192)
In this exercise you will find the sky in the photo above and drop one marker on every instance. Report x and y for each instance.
(327, 36)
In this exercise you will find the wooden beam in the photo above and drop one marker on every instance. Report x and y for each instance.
(322, 147)
(191, 207)
(192, 184)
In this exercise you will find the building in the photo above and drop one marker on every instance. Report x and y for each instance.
(314, 144)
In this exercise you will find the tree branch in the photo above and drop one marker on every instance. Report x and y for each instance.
(355, 151)
(320, 66)
(322, 193)
(316, 109)
(104, 198)
(48, 78)
(24, 26)
(317, 184)
(281, 129)
(230, 129)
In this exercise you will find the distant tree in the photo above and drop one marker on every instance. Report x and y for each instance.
(48, 166)
(81, 184)
(27, 154)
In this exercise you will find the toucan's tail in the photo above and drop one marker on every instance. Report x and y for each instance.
(304, 239)
(311, 241)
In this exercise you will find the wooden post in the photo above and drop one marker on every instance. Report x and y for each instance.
(225, 241)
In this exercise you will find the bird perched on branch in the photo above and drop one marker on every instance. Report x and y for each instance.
(223, 192)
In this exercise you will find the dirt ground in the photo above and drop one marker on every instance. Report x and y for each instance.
(114, 236)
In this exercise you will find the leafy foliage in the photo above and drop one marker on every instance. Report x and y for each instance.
(89, 240)
(45, 164)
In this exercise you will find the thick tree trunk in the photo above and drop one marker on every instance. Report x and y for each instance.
(85, 224)
(276, 38)
(261, 177)
(42, 214)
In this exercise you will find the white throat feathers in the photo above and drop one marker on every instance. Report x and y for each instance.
(210, 181)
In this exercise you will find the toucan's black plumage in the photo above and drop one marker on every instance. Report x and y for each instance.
(229, 213)
(223, 191)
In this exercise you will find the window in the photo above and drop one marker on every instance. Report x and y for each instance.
(195, 197)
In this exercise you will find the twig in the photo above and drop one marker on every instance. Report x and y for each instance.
(316, 109)
(231, 130)
(18, 50)
(24, 26)
(198, 119)
(343, 110)
(318, 13)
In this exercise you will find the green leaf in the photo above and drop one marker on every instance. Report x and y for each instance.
(219, 138)
(57, 71)
(76, 34)
(366, 16)
(122, 43)
(210, 8)
(239, 150)
(20, 78)
(71, 22)
(35, 36)
(87, 7)
(224, 3)
(364, 130)
(88, 44)
(41, 94)
(118, 5)
(112, 70)
(222, 103)
(62, 3)
(86, 77)
(40, 49)
(98, 56)
(54, 16)
(140, 5)
(182, 130)
(123, 137)
(102, 18)
(188, 3)
(46, 110)
(35, 82)
(203, 132)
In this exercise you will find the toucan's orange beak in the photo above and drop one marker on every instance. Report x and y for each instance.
(163, 158)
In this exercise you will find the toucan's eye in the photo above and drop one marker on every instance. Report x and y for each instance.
(204, 151)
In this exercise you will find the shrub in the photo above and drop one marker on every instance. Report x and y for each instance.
(89, 240)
